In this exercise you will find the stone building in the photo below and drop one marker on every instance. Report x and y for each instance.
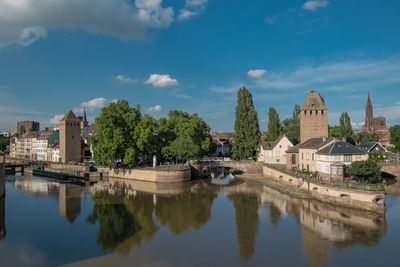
(274, 152)
(70, 138)
(373, 124)
(313, 117)
(31, 126)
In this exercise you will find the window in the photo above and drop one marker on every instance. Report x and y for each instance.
(305, 112)
(316, 112)
(312, 156)
(278, 153)
(334, 170)
(347, 158)
(337, 158)
(293, 159)
(319, 167)
(307, 155)
(310, 112)
(322, 112)
(302, 155)
(326, 158)
(280, 146)
(327, 169)
(358, 157)
(319, 157)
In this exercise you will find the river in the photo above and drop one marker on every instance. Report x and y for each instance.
(221, 222)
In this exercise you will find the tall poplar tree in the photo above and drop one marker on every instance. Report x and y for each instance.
(345, 125)
(247, 132)
(274, 125)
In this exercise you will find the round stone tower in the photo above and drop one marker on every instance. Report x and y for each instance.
(313, 117)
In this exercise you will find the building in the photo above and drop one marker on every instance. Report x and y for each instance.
(27, 126)
(85, 134)
(313, 117)
(333, 160)
(308, 150)
(293, 158)
(274, 152)
(53, 152)
(223, 143)
(371, 147)
(373, 124)
(40, 145)
(22, 146)
(70, 138)
(83, 119)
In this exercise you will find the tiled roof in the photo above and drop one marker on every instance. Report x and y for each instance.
(293, 149)
(268, 145)
(69, 116)
(341, 148)
(315, 143)
(313, 101)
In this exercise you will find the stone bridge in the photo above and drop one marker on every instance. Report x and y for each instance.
(204, 168)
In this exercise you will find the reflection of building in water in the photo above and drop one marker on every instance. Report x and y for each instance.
(324, 225)
(2, 217)
(35, 186)
(70, 202)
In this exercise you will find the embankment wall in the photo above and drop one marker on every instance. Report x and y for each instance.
(150, 175)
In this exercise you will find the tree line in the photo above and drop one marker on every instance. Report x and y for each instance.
(127, 137)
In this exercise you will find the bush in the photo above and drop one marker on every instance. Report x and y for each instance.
(367, 171)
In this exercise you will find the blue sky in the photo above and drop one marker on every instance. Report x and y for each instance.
(194, 55)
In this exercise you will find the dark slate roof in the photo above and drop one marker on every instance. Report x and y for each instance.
(293, 149)
(89, 131)
(341, 148)
(315, 143)
(370, 145)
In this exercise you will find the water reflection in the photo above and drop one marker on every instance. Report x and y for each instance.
(130, 213)
(2, 217)
(324, 225)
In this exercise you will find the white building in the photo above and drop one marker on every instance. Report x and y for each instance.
(274, 152)
(335, 158)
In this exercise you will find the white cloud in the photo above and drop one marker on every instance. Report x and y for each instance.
(91, 105)
(56, 119)
(357, 125)
(269, 20)
(26, 21)
(156, 108)
(161, 80)
(191, 9)
(350, 75)
(256, 73)
(314, 5)
(4, 87)
(122, 79)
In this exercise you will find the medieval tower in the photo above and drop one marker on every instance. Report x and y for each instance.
(313, 117)
(70, 138)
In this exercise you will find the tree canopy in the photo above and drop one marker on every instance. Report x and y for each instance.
(366, 170)
(345, 125)
(291, 126)
(274, 125)
(395, 136)
(247, 132)
(127, 137)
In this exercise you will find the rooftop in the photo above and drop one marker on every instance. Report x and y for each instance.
(341, 148)
(69, 116)
(315, 143)
(314, 101)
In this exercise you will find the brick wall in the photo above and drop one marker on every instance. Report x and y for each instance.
(150, 175)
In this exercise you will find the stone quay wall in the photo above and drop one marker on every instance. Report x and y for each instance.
(2, 180)
(150, 175)
(369, 200)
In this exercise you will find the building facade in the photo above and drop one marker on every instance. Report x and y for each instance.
(308, 150)
(313, 117)
(70, 138)
(274, 152)
(333, 160)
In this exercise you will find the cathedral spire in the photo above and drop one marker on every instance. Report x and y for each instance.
(85, 120)
(369, 116)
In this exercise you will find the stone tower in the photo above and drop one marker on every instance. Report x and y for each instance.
(313, 117)
(84, 121)
(369, 116)
(70, 138)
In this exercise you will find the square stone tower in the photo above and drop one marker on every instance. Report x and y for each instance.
(313, 117)
(70, 138)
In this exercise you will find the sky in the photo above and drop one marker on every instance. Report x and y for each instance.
(194, 55)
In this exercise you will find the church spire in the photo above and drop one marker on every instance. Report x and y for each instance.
(369, 116)
(85, 119)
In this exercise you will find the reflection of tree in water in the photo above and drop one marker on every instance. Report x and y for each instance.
(184, 211)
(246, 207)
(360, 236)
(274, 215)
(141, 207)
(116, 223)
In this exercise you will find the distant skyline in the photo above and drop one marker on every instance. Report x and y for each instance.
(194, 55)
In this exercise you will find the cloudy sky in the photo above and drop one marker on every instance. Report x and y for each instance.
(194, 55)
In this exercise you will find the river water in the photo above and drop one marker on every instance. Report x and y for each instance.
(223, 222)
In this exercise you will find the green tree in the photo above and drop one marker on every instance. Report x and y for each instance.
(335, 131)
(147, 140)
(247, 132)
(291, 127)
(274, 125)
(395, 136)
(22, 130)
(4, 144)
(345, 125)
(367, 171)
(363, 137)
(185, 136)
(115, 140)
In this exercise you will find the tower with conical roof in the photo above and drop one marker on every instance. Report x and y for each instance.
(70, 138)
(83, 119)
(313, 117)
(369, 116)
